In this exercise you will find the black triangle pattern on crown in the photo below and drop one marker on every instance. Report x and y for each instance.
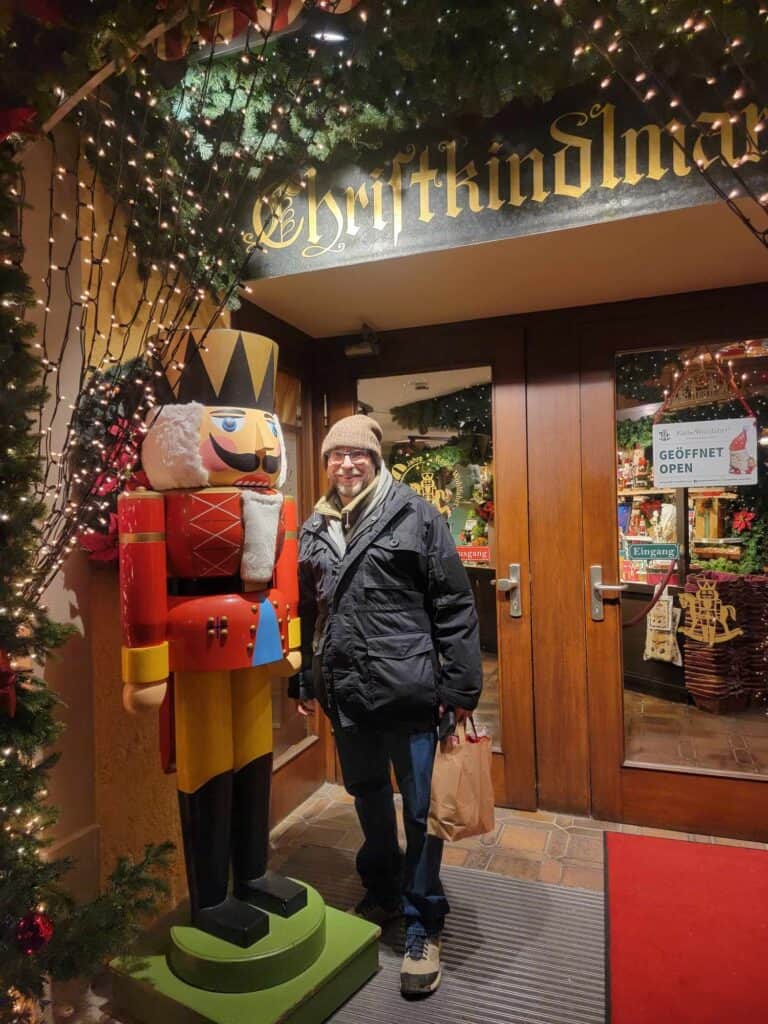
(237, 388)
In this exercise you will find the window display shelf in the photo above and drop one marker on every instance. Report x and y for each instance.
(631, 492)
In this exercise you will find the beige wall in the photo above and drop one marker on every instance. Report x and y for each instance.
(108, 786)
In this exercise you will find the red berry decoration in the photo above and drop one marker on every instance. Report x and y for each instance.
(33, 932)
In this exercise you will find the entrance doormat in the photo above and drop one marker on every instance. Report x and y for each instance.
(687, 931)
(513, 952)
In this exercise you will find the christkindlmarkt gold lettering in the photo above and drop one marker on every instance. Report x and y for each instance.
(319, 220)
(680, 165)
(655, 171)
(752, 117)
(721, 126)
(315, 248)
(396, 184)
(607, 111)
(453, 182)
(495, 202)
(378, 200)
(353, 197)
(538, 192)
(583, 148)
(424, 177)
(274, 221)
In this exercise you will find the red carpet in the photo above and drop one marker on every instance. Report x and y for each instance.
(687, 932)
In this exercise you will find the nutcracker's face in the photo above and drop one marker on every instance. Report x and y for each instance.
(241, 447)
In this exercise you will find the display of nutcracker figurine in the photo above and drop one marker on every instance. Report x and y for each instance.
(208, 580)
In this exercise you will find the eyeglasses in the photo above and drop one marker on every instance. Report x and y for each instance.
(356, 455)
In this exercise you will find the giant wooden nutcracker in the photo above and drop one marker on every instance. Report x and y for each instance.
(208, 577)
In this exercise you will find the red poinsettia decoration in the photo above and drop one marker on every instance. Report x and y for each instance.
(485, 511)
(33, 932)
(101, 547)
(742, 520)
(648, 507)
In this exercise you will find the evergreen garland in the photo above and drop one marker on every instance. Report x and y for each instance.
(43, 933)
(467, 411)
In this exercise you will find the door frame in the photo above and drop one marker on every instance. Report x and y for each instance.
(497, 343)
(696, 803)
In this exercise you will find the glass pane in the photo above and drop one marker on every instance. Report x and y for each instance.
(691, 430)
(289, 728)
(437, 438)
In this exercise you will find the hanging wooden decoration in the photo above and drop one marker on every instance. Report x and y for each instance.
(707, 617)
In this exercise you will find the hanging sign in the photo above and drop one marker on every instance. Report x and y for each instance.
(708, 453)
(643, 550)
(584, 157)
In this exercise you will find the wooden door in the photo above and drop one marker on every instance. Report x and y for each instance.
(667, 749)
(413, 356)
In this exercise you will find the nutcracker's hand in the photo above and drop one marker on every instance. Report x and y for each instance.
(289, 666)
(139, 697)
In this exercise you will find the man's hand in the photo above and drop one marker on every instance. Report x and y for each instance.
(306, 707)
(462, 714)
(138, 697)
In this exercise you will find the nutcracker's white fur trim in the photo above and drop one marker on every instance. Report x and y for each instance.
(170, 452)
(284, 460)
(261, 516)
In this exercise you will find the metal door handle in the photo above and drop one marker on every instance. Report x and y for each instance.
(511, 585)
(597, 589)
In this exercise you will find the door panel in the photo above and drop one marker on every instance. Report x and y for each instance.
(556, 564)
(653, 745)
(507, 707)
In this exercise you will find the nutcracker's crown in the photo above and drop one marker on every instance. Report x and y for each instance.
(228, 367)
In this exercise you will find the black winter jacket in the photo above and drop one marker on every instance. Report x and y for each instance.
(401, 633)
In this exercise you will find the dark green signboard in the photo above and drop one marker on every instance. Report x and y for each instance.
(585, 157)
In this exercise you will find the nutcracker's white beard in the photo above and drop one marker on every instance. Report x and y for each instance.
(170, 452)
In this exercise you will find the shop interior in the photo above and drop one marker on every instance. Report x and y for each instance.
(694, 664)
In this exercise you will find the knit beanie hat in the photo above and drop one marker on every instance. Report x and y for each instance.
(354, 432)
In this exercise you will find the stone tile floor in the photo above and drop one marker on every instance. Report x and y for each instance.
(538, 846)
(542, 846)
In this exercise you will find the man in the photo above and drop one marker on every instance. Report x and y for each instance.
(389, 642)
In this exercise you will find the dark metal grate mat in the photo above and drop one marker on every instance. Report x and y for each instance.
(513, 952)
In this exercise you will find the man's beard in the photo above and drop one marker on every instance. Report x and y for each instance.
(351, 490)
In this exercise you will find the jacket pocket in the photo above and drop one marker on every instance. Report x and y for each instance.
(401, 671)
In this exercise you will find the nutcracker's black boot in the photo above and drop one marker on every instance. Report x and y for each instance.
(205, 822)
(250, 844)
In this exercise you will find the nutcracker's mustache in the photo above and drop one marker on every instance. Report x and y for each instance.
(245, 462)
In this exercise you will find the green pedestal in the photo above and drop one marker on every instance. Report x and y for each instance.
(300, 973)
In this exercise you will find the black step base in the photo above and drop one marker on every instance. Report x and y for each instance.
(273, 893)
(234, 921)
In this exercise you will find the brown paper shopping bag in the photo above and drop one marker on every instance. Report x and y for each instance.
(461, 803)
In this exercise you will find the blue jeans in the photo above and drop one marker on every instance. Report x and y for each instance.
(365, 756)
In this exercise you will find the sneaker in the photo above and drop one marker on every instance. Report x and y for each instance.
(378, 913)
(420, 973)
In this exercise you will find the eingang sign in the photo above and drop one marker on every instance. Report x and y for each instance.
(577, 160)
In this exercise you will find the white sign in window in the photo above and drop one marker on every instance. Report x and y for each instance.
(707, 453)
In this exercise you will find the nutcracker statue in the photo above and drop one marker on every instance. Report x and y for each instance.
(208, 580)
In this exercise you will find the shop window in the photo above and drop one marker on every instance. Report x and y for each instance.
(692, 500)
(437, 438)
